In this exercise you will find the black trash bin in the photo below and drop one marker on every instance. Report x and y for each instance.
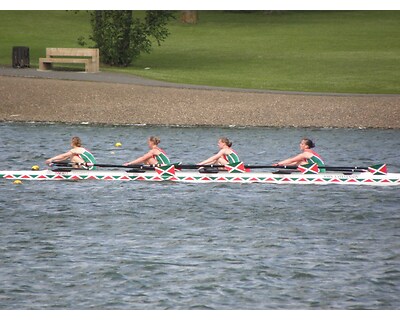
(20, 57)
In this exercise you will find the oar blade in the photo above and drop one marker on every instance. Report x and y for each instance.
(237, 167)
(378, 169)
(166, 170)
(309, 168)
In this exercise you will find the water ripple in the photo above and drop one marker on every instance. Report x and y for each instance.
(118, 245)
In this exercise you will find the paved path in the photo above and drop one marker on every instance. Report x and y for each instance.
(114, 77)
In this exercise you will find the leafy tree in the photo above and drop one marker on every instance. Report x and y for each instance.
(121, 37)
(189, 16)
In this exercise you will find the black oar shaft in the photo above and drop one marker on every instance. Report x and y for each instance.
(101, 165)
(197, 166)
(344, 168)
(269, 167)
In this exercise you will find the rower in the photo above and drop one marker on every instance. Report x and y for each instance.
(78, 155)
(226, 154)
(308, 156)
(156, 155)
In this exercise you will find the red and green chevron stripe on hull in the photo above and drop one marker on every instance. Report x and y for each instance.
(359, 178)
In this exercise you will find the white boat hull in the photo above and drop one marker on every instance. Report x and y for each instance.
(190, 176)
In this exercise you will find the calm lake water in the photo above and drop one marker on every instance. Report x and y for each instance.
(143, 245)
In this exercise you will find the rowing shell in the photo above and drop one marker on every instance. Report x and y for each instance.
(355, 178)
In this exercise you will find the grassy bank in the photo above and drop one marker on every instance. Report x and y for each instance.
(354, 51)
(38, 30)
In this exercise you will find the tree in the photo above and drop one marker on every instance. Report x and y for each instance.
(189, 16)
(121, 37)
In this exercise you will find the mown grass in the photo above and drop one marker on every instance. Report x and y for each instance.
(356, 51)
(39, 30)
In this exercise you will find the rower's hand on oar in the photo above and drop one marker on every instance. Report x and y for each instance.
(275, 164)
(126, 164)
(49, 162)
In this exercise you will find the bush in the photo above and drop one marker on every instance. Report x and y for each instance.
(121, 38)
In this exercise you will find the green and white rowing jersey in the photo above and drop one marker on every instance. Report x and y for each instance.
(87, 157)
(316, 158)
(232, 157)
(162, 157)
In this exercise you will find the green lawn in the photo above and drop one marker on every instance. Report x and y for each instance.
(356, 51)
(38, 30)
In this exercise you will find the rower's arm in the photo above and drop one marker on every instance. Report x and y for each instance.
(213, 158)
(60, 157)
(141, 159)
(294, 160)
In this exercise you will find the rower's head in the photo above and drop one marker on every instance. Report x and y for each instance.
(224, 142)
(306, 143)
(153, 141)
(76, 142)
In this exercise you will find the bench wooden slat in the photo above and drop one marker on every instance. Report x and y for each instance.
(65, 60)
(54, 55)
(71, 52)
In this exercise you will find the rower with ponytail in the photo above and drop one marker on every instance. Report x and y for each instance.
(307, 156)
(226, 154)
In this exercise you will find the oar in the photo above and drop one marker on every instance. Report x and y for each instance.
(140, 166)
(197, 166)
(179, 166)
(356, 169)
(101, 165)
(248, 166)
(344, 169)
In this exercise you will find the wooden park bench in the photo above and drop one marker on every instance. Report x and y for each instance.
(89, 57)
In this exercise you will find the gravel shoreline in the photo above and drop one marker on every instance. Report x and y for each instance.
(54, 100)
